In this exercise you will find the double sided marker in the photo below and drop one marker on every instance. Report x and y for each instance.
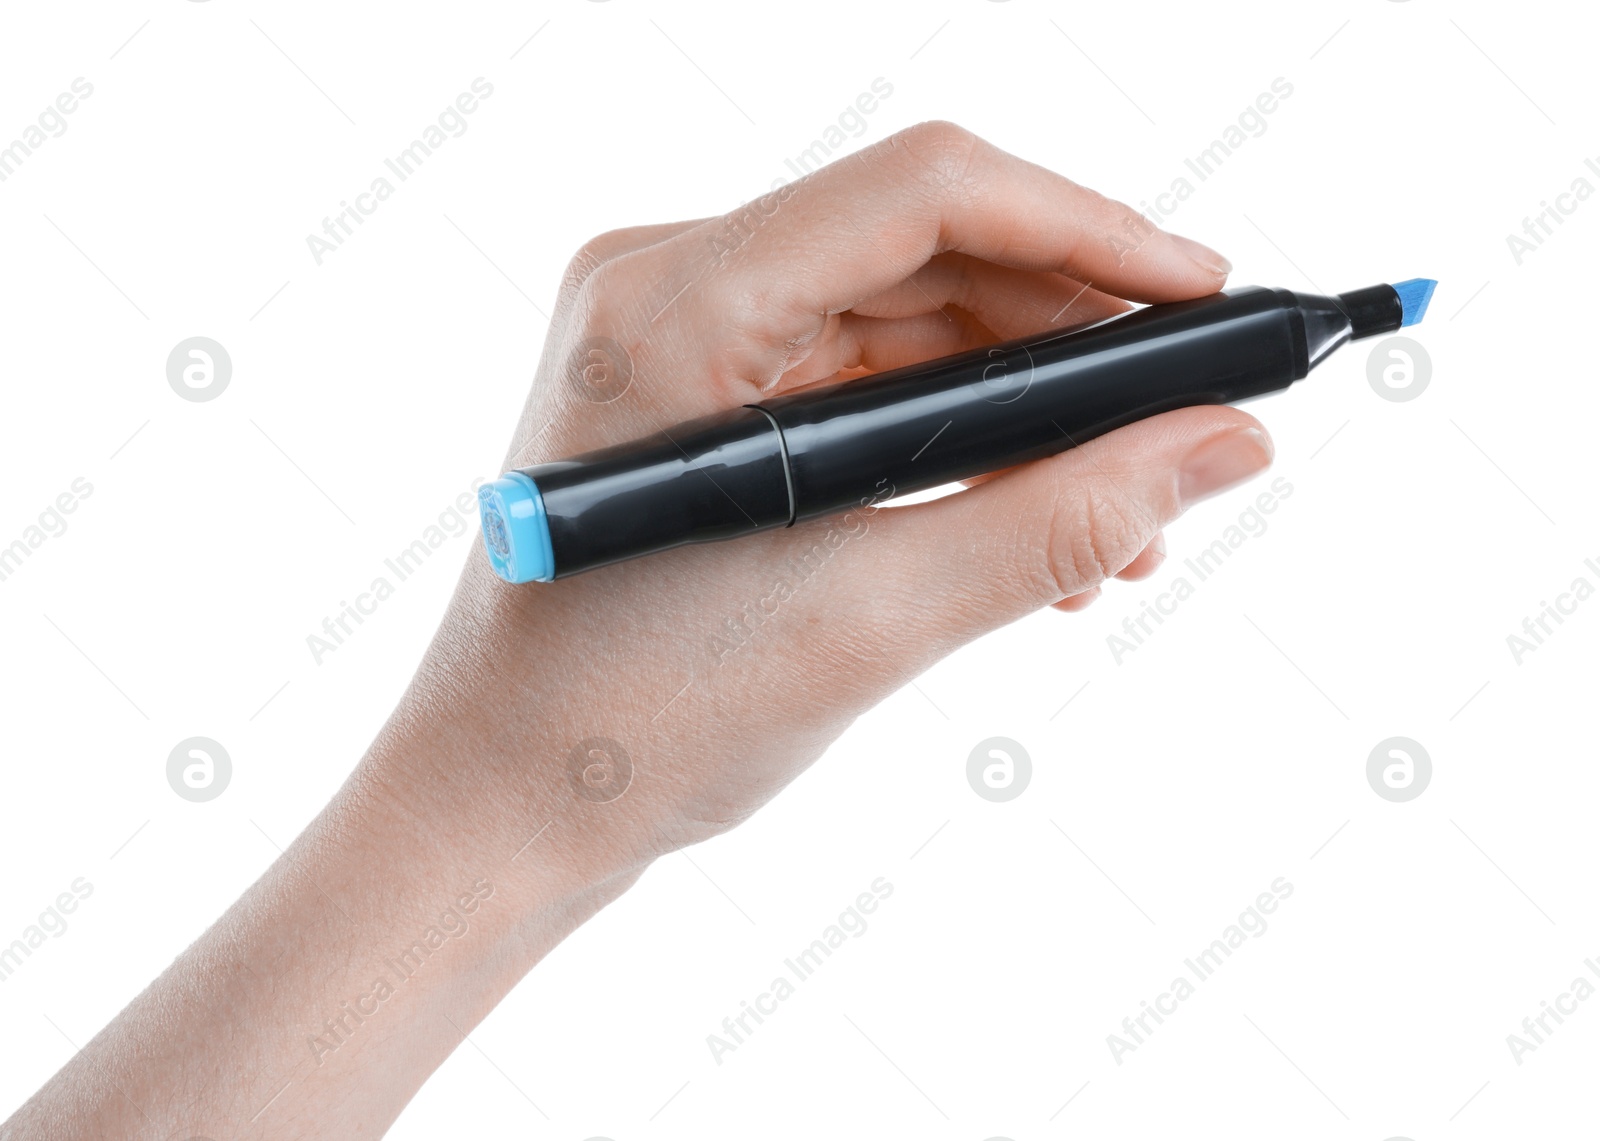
(825, 450)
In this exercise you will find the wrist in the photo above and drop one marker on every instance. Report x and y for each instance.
(511, 793)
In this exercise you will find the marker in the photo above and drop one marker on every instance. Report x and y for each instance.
(826, 450)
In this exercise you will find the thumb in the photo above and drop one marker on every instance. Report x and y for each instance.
(989, 555)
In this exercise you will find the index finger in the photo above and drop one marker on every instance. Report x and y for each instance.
(761, 280)
(938, 187)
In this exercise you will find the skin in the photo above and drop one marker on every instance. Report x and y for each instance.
(927, 243)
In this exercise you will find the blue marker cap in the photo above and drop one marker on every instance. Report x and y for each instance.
(515, 531)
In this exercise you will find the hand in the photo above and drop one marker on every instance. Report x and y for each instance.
(558, 737)
(720, 672)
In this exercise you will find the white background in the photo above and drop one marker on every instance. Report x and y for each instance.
(369, 391)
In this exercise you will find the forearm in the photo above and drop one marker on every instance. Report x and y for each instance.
(323, 999)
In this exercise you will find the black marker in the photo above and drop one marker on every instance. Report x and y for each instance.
(826, 450)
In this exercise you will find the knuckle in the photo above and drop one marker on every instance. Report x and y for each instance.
(944, 150)
(590, 257)
(1119, 215)
(1092, 536)
(932, 135)
(765, 326)
(754, 309)
(744, 303)
(1122, 226)
(601, 299)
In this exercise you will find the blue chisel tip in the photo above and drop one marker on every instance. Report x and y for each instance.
(1414, 297)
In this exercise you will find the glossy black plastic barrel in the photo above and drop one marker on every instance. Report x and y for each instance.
(964, 415)
(716, 478)
(832, 448)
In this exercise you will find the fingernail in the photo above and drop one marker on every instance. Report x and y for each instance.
(1203, 256)
(1222, 462)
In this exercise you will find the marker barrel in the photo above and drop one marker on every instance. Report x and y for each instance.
(828, 449)
(715, 478)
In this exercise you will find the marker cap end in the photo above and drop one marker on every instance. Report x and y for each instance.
(516, 534)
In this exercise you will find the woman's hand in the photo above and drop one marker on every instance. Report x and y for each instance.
(686, 689)
(558, 737)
